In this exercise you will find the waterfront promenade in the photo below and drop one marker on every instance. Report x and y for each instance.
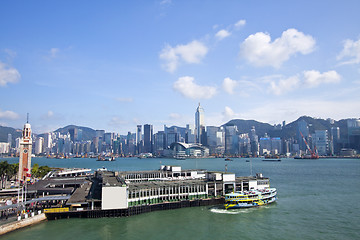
(13, 223)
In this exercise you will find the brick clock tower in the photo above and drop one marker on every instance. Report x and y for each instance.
(25, 154)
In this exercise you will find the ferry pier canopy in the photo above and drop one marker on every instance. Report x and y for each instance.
(80, 189)
(121, 190)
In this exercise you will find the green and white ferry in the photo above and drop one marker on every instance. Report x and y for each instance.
(251, 198)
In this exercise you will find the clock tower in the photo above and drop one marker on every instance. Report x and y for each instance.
(25, 154)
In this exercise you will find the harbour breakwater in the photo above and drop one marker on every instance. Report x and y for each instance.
(134, 210)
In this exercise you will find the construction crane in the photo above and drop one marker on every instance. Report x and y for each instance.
(314, 154)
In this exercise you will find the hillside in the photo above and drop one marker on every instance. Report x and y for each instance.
(289, 131)
(4, 131)
(87, 133)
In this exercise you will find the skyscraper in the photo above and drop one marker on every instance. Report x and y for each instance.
(73, 134)
(138, 139)
(25, 153)
(148, 138)
(199, 123)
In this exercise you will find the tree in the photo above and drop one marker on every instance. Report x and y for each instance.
(35, 170)
(5, 171)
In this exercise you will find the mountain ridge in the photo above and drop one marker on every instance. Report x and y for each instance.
(244, 126)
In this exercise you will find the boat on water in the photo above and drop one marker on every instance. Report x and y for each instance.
(228, 159)
(106, 159)
(251, 198)
(272, 160)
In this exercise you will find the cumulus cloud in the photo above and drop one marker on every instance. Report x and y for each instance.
(309, 79)
(220, 35)
(259, 50)
(284, 85)
(240, 23)
(192, 52)
(8, 75)
(351, 51)
(314, 78)
(229, 85)
(188, 88)
(228, 113)
(8, 115)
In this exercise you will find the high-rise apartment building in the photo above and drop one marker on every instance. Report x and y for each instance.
(148, 138)
(73, 134)
(230, 134)
(39, 144)
(321, 142)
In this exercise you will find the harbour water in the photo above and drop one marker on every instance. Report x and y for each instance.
(318, 199)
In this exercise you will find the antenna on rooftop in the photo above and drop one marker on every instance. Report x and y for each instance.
(27, 118)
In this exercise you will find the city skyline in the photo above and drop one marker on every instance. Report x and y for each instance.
(117, 65)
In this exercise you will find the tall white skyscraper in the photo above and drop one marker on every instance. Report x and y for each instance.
(39, 145)
(199, 123)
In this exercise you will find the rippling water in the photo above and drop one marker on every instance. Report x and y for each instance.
(318, 199)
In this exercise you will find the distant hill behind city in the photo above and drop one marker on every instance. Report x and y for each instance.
(87, 133)
(243, 126)
(289, 130)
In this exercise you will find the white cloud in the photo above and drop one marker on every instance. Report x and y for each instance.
(284, 85)
(188, 88)
(174, 116)
(124, 100)
(117, 122)
(53, 52)
(277, 111)
(314, 78)
(165, 2)
(310, 79)
(228, 113)
(240, 23)
(192, 52)
(351, 51)
(8, 75)
(259, 50)
(229, 85)
(8, 115)
(222, 34)
(50, 114)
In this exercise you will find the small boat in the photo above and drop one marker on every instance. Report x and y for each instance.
(228, 159)
(251, 198)
(272, 160)
(106, 159)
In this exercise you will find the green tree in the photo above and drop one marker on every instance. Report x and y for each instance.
(43, 170)
(35, 170)
(5, 171)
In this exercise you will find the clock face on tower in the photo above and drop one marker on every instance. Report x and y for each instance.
(25, 150)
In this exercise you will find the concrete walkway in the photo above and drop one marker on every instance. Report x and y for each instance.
(22, 223)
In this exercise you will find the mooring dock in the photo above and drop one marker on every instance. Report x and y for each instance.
(118, 194)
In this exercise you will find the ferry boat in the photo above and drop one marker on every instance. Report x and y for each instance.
(251, 198)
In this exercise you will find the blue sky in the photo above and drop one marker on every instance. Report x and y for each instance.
(114, 64)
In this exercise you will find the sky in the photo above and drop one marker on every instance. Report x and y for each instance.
(112, 65)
